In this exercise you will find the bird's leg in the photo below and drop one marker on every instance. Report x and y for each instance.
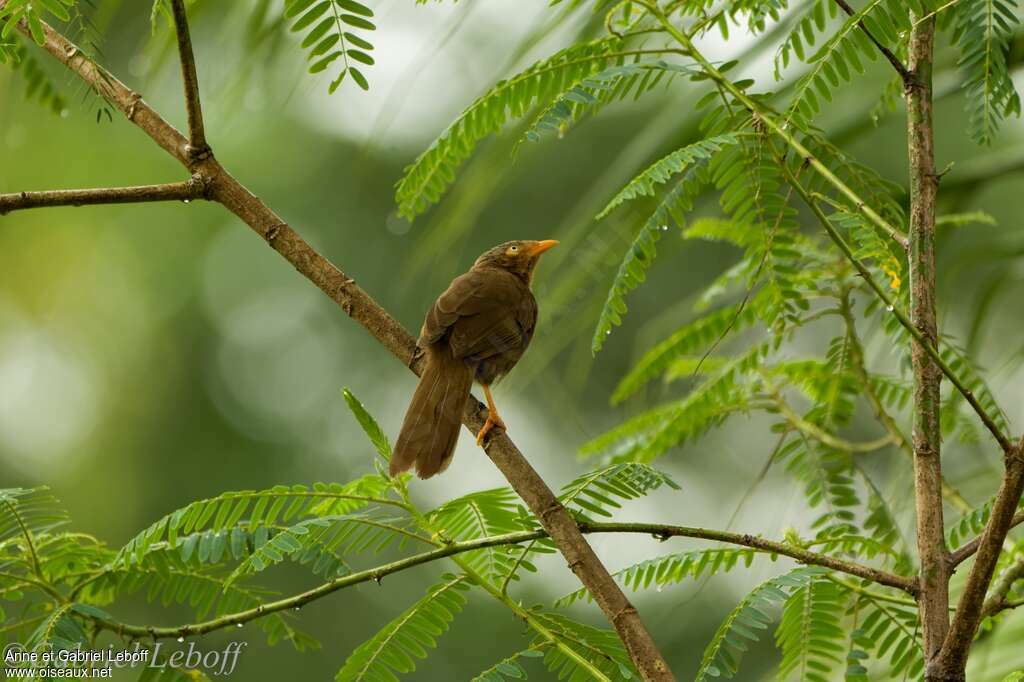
(492, 417)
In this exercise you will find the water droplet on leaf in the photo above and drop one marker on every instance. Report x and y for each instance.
(181, 639)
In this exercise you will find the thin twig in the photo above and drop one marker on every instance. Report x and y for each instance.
(660, 531)
(824, 437)
(172, 191)
(196, 130)
(905, 74)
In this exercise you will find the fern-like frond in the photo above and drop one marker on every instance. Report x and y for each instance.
(664, 169)
(804, 34)
(509, 668)
(601, 648)
(168, 579)
(723, 654)
(596, 91)
(321, 540)
(983, 31)
(25, 515)
(599, 490)
(652, 433)
(958, 360)
(641, 253)
(39, 86)
(332, 31)
(32, 13)
(369, 425)
(478, 515)
(845, 52)
(693, 337)
(258, 508)
(965, 219)
(394, 648)
(890, 631)
(60, 631)
(429, 176)
(810, 633)
(870, 247)
(672, 569)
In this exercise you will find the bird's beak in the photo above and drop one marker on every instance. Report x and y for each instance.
(542, 246)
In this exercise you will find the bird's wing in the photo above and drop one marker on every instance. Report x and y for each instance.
(484, 312)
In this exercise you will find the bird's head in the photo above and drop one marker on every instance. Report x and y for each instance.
(518, 257)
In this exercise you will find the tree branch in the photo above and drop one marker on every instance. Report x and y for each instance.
(660, 531)
(172, 191)
(970, 608)
(359, 305)
(927, 436)
(198, 148)
(905, 74)
(967, 550)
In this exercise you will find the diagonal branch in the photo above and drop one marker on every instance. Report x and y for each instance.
(905, 74)
(198, 147)
(172, 191)
(970, 608)
(660, 531)
(359, 305)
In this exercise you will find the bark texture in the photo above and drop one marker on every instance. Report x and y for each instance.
(931, 542)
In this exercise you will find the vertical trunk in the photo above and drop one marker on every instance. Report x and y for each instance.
(934, 597)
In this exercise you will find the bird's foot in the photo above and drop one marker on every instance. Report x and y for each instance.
(493, 421)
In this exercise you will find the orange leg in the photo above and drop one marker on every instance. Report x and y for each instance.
(492, 417)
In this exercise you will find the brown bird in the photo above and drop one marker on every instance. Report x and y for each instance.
(478, 329)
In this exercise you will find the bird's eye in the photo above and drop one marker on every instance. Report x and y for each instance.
(513, 249)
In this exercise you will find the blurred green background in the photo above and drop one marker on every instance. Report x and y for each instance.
(153, 355)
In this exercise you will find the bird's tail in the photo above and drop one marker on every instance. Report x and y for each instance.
(431, 426)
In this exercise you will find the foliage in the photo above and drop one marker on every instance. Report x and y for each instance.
(408, 636)
(331, 30)
(982, 32)
(774, 335)
(723, 654)
(673, 569)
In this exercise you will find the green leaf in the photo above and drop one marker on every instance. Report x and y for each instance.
(429, 176)
(640, 255)
(983, 30)
(723, 654)
(672, 569)
(406, 638)
(663, 170)
(370, 426)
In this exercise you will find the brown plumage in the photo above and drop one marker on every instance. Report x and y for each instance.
(478, 329)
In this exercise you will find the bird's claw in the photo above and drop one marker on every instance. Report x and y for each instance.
(493, 421)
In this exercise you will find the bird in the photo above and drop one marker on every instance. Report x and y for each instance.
(476, 330)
